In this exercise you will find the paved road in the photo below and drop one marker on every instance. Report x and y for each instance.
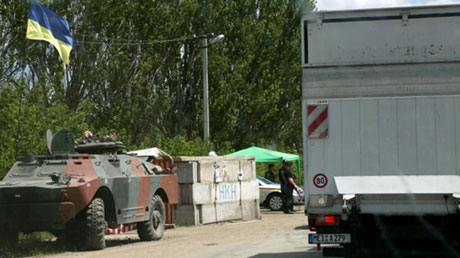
(275, 235)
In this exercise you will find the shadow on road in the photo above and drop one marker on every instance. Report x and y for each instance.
(303, 227)
(119, 242)
(288, 254)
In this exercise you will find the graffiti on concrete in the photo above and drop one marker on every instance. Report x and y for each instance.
(227, 191)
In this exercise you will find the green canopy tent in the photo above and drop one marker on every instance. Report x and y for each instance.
(264, 155)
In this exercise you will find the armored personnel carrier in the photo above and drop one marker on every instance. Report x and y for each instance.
(76, 192)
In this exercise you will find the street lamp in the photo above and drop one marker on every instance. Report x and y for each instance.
(215, 40)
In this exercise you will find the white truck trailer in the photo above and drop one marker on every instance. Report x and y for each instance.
(381, 130)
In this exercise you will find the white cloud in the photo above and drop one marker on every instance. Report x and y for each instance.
(360, 4)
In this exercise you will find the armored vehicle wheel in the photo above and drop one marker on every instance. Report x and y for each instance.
(275, 202)
(71, 238)
(95, 225)
(8, 238)
(73, 235)
(153, 228)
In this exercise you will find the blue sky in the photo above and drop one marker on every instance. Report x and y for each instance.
(358, 4)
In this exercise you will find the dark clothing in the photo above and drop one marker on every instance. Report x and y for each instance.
(286, 189)
(288, 201)
(269, 175)
(283, 175)
(280, 176)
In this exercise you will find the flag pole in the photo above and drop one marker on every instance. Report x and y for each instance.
(65, 78)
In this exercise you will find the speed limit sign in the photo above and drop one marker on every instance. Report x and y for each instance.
(320, 180)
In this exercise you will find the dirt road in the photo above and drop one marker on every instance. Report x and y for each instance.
(275, 235)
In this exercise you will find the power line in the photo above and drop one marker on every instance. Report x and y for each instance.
(118, 41)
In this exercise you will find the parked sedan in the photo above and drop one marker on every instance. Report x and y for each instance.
(270, 195)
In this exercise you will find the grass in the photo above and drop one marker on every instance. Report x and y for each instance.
(40, 244)
(35, 244)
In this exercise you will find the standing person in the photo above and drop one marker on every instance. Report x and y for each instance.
(269, 175)
(287, 186)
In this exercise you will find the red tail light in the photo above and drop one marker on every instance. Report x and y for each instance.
(327, 221)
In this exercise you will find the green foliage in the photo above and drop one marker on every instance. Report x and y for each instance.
(35, 244)
(180, 146)
(150, 94)
(261, 168)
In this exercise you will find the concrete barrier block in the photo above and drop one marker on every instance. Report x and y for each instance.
(187, 215)
(202, 193)
(248, 169)
(204, 201)
(251, 209)
(228, 211)
(208, 214)
(186, 193)
(250, 190)
(229, 171)
(206, 171)
(186, 172)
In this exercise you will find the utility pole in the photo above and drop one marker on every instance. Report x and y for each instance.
(205, 90)
(204, 41)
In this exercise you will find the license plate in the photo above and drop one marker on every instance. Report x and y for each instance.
(329, 238)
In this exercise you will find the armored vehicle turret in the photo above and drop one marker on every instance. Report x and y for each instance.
(76, 192)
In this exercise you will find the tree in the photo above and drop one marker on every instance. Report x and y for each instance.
(126, 75)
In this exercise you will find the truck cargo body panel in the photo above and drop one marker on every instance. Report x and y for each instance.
(381, 36)
(388, 136)
(389, 82)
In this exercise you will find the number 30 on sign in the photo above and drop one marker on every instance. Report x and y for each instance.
(320, 180)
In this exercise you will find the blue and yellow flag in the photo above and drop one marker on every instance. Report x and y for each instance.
(44, 24)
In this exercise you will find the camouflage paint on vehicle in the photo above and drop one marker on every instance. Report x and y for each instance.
(30, 200)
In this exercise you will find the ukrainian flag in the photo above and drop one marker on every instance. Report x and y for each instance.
(44, 24)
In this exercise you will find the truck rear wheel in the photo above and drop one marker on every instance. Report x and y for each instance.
(95, 225)
(153, 228)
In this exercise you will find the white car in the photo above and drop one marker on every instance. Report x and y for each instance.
(270, 195)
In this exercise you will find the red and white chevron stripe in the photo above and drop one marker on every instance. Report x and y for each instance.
(317, 118)
(121, 229)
